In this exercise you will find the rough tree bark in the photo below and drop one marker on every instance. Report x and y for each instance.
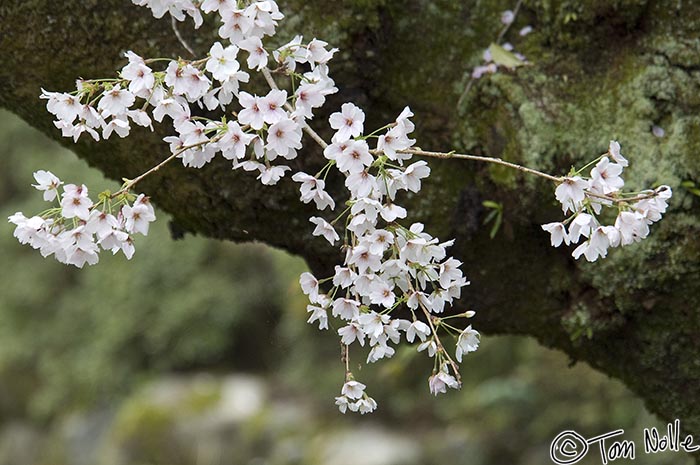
(601, 70)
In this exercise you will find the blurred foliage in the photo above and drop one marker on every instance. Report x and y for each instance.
(80, 340)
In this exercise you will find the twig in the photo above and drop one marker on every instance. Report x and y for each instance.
(506, 28)
(130, 184)
(500, 37)
(496, 161)
(650, 195)
(173, 23)
(345, 358)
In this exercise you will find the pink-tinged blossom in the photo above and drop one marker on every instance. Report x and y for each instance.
(221, 6)
(313, 189)
(75, 202)
(366, 405)
(222, 63)
(64, 106)
(284, 137)
(571, 193)
(323, 228)
(361, 184)
(614, 151)
(353, 390)
(265, 15)
(606, 176)
(355, 157)
(172, 107)
(558, 233)
(27, 230)
(115, 101)
(364, 260)
(48, 183)
(418, 328)
(430, 346)
(138, 216)
(347, 309)
(632, 227)
(468, 341)
(251, 113)
(101, 223)
(372, 323)
(140, 76)
(596, 246)
(271, 175)
(343, 277)
(272, 106)
(118, 126)
(234, 142)
(582, 225)
(391, 212)
(257, 58)
(317, 52)
(382, 294)
(414, 174)
(441, 381)
(351, 333)
(141, 118)
(348, 123)
(309, 286)
(236, 25)
(186, 80)
(319, 314)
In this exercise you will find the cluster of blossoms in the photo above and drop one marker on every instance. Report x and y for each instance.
(585, 198)
(388, 268)
(263, 132)
(396, 281)
(76, 229)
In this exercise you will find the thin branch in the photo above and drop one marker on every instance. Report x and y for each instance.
(130, 184)
(345, 358)
(505, 29)
(650, 195)
(173, 24)
(500, 37)
(496, 161)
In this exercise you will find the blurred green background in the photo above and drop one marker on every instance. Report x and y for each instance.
(196, 352)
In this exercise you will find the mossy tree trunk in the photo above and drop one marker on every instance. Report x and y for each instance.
(601, 70)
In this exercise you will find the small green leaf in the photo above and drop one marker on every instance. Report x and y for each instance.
(496, 225)
(495, 216)
(490, 216)
(691, 187)
(503, 57)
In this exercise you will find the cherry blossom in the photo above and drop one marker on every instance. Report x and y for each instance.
(349, 122)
